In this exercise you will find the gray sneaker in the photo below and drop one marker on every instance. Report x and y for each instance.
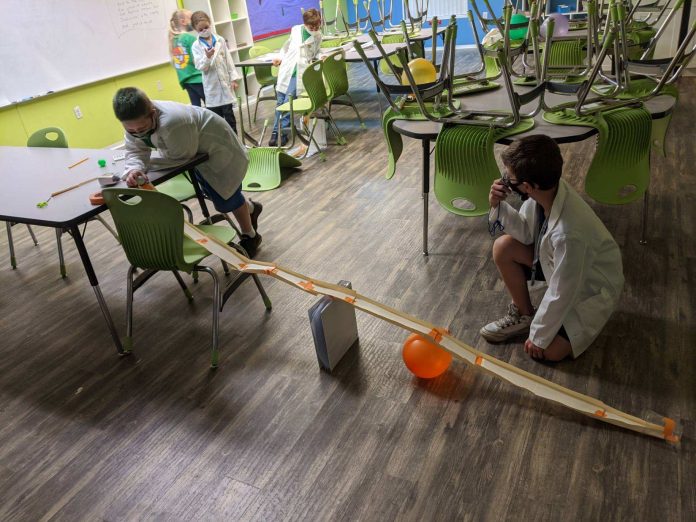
(511, 325)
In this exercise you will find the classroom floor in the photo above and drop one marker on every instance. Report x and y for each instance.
(86, 435)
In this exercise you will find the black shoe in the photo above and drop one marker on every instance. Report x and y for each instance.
(284, 140)
(273, 142)
(250, 244)
(258, 208)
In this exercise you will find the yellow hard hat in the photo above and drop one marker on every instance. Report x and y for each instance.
(422, 70)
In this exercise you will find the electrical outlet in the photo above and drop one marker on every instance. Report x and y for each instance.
(159, 86)
(77, 111)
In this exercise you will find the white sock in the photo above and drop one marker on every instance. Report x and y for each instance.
(250, 234)
(250, 204)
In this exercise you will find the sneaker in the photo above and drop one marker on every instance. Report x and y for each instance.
(258, 208)
(250, 244)
(513, 324)
(273, 142)
(284, 140)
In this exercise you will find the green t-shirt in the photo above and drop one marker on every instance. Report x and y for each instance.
(305, 35)
(183, 60)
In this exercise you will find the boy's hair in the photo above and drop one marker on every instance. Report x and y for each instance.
(199, 16)
(131, 103)
(311, 17)
(535, 159)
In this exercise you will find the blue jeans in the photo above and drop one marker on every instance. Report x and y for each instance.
(281, 98)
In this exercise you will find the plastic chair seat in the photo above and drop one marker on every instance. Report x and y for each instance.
(195, 253)
(179, 187)
(301, 104)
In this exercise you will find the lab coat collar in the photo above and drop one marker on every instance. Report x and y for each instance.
(558, 203)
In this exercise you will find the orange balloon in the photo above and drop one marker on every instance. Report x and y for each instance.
(424, 358)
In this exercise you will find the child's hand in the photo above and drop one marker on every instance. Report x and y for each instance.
(133, 176)
(533, 350)
(210, 52)
(499, 192)
(234, 85)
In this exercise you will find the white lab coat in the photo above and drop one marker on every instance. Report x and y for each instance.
(581, 263)
(218, 71)
(184, 131)
(296, 53)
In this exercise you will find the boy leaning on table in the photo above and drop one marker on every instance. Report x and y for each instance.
(555, 236)
(179, 132)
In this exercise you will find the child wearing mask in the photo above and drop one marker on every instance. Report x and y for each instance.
(296, 54)
(212, 57)
(180, 41)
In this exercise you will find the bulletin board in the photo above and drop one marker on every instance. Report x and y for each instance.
(273, 17)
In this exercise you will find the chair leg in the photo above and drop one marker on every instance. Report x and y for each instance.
(225, 268)
(262, 291)
(108, 227)
(340, 139)
(128, 341)
(216, 313)
(189, 213)
(256, 105)
(31, 233)
(61, 259)
(312, 140)
(183, 286)
(13, 259)
(355, 108)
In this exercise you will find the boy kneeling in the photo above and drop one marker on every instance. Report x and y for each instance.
(557, 237)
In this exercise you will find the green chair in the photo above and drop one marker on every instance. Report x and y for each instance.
(336, 78)
(394, 58)
(48, 137)
(181, 189)
(151, 227)
(314, 105)
(264, 76)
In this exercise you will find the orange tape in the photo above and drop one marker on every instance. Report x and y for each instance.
(437, 333)
(242, 266)
(270, 271)
(479, 360)
(202, 241)
(307, 285)
(668, 432)
(349, 299)
(600, 413)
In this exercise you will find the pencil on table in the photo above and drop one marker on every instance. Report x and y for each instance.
(76, 164)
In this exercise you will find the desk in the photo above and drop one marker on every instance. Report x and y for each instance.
(31, 174)
(352, 56)
(427, 131)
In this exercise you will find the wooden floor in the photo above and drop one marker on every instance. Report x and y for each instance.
(86, 435)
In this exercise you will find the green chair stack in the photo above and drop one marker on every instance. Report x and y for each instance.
(151, 227)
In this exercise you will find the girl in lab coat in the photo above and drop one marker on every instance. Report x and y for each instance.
(296, 54)
(555, 236)
(212, 57)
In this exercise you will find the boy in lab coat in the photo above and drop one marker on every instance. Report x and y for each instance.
(179, 132)
(555, 236)
(296, 54)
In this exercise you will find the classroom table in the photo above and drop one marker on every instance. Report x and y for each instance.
(427, 131)
(30, 174)
(352, 56)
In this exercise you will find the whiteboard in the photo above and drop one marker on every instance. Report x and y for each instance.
(53, 45)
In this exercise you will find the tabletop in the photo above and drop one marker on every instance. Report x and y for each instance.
(30, 174)
(659, 107)
(352, 55)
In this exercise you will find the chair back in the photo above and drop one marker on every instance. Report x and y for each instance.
(336, 75)
(264, 73)
(313, 82)
(150, 226)
(48, 137)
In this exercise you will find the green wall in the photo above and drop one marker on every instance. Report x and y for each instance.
(98, 127)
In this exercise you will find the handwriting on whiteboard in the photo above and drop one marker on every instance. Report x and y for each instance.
(130, 15)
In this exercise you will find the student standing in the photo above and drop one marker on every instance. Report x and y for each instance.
(179, 132)
(555, 236)
(180, 41)
(296, 54)
(212, 57)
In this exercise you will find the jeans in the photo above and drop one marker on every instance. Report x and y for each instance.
(284, 97)
(195, 92)
(227, 112)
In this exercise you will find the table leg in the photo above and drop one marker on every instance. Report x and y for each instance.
(426, 191)
(77, 237)
(246, 94)
(200, 196)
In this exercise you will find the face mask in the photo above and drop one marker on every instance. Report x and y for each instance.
(514, 186)
(146, 134)
(205, 34)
